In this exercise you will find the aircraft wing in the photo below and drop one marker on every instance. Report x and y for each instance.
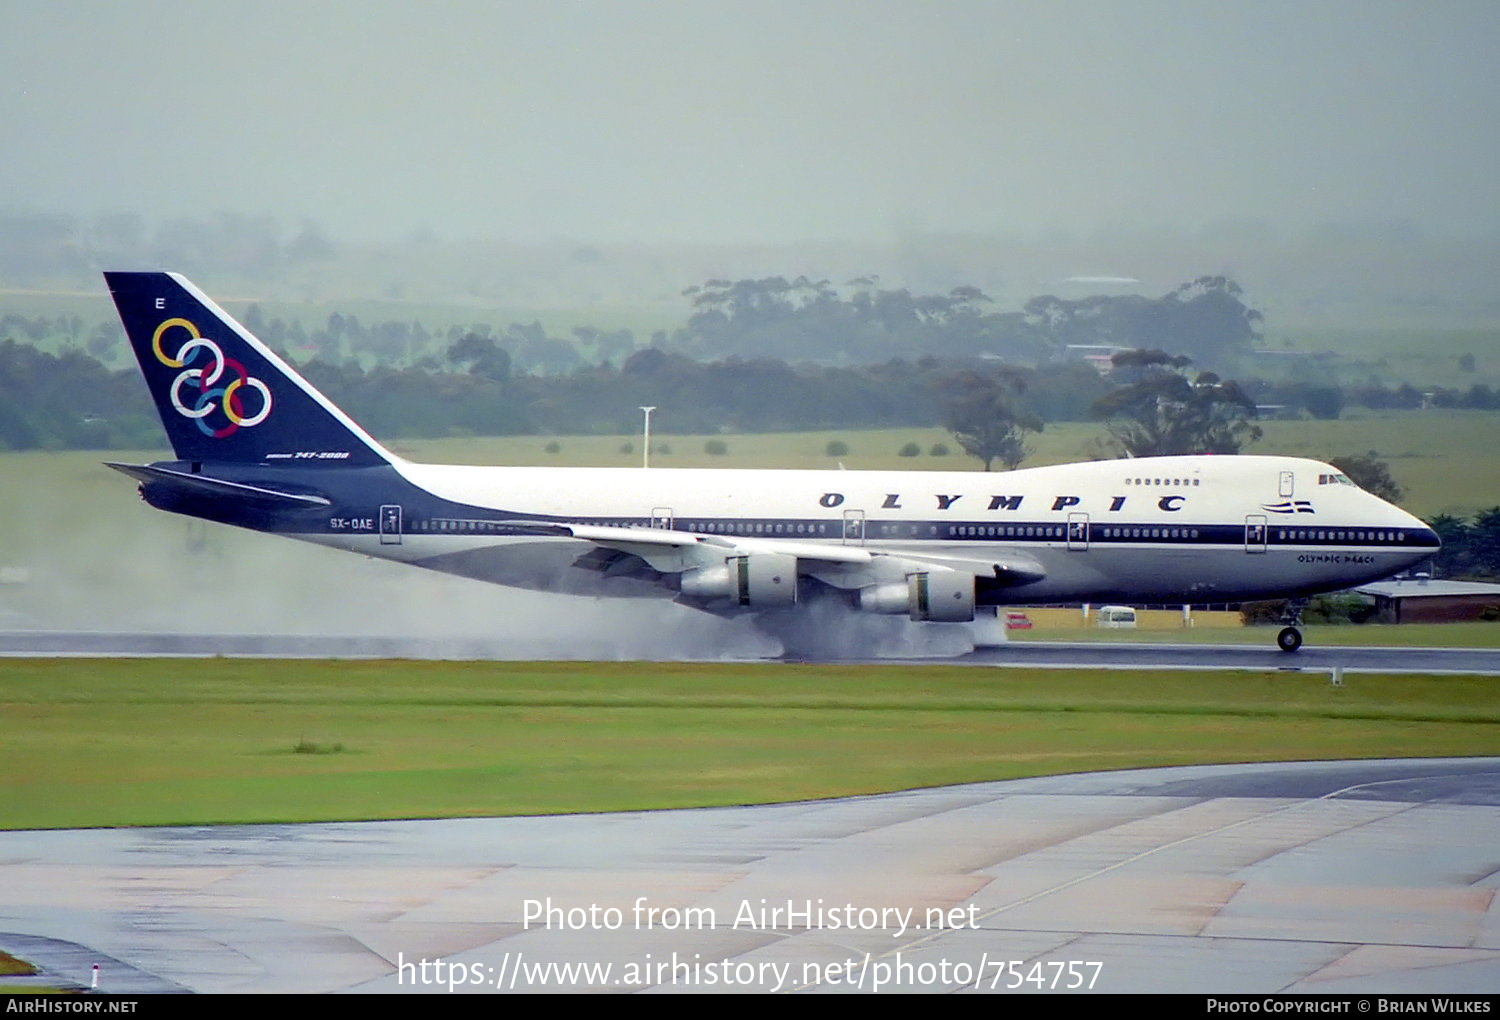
(843, 566)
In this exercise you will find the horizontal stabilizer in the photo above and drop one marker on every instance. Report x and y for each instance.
(203, 485)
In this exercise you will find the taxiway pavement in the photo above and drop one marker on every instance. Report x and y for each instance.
(1324, 877)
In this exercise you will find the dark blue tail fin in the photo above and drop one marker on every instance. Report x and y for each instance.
(222, 394)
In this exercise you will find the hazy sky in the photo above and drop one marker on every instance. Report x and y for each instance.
(761, 120)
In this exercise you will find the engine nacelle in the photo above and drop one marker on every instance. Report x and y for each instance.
(942, 596)
(757, 580)
(885, 598)
(933, 596)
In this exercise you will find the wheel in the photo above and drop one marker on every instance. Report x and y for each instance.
(1289, 640)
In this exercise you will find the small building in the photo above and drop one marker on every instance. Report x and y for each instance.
(1101, 356)
(1426, 601)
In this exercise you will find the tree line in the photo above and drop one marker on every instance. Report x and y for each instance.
(1471, 546)
(792, 321)
(484, 382)
(72, 400)
(474, 386)
(1205, 319)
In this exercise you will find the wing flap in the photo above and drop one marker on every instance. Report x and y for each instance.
(1007, 570)
(606, 535)
(619, 538)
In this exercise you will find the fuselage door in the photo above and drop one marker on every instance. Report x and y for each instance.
(854, 527)
(390, 524)
(1286, 486)
(661, 517)
(1078, 532)
(1255, 533)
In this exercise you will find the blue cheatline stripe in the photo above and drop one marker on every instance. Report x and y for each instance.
(1035, 532)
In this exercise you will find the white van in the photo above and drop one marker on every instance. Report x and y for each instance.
(1116, 616)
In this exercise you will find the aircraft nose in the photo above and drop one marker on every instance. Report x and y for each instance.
(1420, 535)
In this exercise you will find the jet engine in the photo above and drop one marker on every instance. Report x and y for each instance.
(934, 596)
(758, 580)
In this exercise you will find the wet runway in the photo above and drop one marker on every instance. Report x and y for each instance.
(1088, 654)
(1152, 656)
(1325, 877)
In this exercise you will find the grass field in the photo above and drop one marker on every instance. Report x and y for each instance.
(1420, 356)
(11, 967)
(147, 742)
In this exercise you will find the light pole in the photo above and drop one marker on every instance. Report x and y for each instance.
(646, 439)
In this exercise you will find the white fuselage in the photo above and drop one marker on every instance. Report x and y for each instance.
(1179, 529)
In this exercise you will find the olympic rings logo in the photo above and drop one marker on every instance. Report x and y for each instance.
(212, 393)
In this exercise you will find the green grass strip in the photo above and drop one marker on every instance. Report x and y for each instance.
(10, 966)
(153, 742)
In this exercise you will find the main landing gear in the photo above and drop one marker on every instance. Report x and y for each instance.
(1290, 638)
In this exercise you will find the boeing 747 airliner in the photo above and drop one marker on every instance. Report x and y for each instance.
(258, 447)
